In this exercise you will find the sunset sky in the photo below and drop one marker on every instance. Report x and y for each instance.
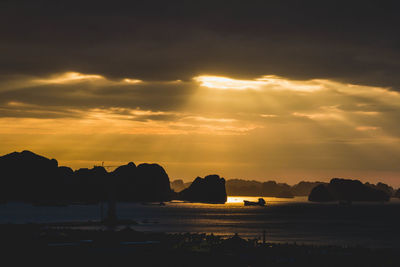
(283, 90)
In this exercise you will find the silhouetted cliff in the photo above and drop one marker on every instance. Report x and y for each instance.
(347, 190)
(146, 182)
(26, 176)
(125, 182)
(154, 182)
(89, 185)
(210, 189)
(384, 187)
(179, 185)
(238, 187)
(321, 193)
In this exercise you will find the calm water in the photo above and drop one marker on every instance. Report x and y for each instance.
(284, 220)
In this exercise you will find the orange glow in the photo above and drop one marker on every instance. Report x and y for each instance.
(238, 200)
(219, 82)
(267, 82)
(265, 128)
(132, 81)
(69, 77)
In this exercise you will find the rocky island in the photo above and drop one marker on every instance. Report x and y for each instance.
(347, 190)
(26, 176)
(210, 189)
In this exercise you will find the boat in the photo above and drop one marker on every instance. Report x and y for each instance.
(260, 202)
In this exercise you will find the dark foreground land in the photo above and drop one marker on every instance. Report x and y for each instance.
(40, 245)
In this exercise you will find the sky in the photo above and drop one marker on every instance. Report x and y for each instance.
(265, 90)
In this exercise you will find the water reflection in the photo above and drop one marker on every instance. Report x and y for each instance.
(270, 200)
(367, 224)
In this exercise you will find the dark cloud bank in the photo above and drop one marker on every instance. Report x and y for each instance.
(354, 42)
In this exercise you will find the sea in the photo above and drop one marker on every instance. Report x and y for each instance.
(296, 220)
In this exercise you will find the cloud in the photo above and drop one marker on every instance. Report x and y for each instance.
(272, 103)
(68, 77)
(275, 129)
(156, 41)
(266, 82)
(366, 128)
(282, 86)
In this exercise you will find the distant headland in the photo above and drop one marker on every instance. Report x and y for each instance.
(339, 189)
(26, 176)
(347, 191)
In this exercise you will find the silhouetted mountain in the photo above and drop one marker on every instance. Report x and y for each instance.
(210, 189)
(179, 185)
(154, 182)
(68, 186)
(304, 188)
(397, 194)
(321, 193)
(285, 194)
(347, 190)
(146, 182)
(89, 185)
(125, 182)
(238, 187)
(26, 176)
(384, 187)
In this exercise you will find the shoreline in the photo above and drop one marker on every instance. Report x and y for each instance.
(184, 249)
